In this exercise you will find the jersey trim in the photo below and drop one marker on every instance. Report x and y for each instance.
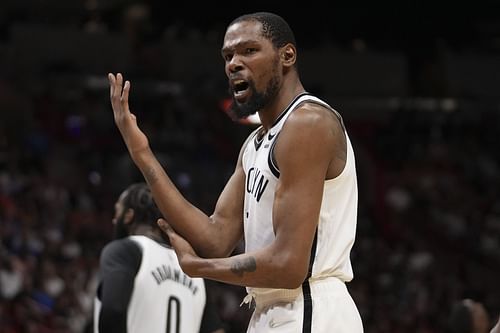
(313, 253)
(329, 108)
(258, 141)
(283, 113)
(254, 136)
(308, 308)
(306, 289)
(273, 166)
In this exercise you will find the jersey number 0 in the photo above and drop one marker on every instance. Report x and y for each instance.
(173, 309)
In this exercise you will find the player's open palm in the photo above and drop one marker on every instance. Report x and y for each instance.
(126, 121)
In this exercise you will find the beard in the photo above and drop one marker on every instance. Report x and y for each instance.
(257, 100)
(119, 229)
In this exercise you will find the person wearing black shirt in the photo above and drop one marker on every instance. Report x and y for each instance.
(141, 285)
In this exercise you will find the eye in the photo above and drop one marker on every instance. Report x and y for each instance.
(250, 50)
(227, 57)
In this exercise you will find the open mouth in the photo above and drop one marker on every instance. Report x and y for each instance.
(240, 87)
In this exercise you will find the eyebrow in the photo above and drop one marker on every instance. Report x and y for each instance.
(239, 44)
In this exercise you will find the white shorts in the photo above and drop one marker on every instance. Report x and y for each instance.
(327, 307)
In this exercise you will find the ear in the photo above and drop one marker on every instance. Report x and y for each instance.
(128, 216)
(288, 55)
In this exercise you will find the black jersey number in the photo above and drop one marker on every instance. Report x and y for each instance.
(173, 309)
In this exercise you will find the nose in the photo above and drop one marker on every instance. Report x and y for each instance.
(234, 65)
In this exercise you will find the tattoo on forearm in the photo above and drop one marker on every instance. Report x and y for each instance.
(151, 175)
(245, 265)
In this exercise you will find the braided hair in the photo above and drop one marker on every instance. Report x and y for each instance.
(139, 198)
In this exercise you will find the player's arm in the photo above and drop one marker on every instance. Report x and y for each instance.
(305, 151)
(211, 236)
(119, 263)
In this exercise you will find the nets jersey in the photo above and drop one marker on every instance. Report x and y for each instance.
(163, 299)
(336, 227)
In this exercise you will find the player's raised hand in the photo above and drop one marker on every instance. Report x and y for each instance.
(126, 121)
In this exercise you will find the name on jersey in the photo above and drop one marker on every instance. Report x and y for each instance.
(256, 183)
(165, 273)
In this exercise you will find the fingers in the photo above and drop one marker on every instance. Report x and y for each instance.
(111, 79)
(164, 226)
(167, 229)
(114, 89)
(118, 87)
(118, 91)
(115, 83)
(124, 98)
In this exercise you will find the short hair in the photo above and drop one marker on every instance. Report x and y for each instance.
(274, 27)
(139, 198)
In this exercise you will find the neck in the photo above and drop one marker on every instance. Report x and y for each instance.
(289, 90)
(146, 230)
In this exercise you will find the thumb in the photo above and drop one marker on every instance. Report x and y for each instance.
(164, 226)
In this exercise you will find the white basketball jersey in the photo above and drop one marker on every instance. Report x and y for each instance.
(336, 227)
(164, 299)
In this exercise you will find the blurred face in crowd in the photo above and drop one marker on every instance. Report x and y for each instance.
(252, 66)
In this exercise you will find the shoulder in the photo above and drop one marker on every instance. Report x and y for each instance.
(310, 111)
(121, 245)
(121, 251)
(315, 134)
(314, 119)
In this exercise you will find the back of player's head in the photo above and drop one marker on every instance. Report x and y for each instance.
(274, 27)
(139, 198)
(460, 319)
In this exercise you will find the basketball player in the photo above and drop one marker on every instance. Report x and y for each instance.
(293, 195)
(142, 287)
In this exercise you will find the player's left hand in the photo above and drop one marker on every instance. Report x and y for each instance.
(125, 120)
(185, 252)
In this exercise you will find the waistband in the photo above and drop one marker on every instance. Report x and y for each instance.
(265, 297)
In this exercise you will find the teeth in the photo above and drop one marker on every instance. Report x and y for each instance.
(238, 82)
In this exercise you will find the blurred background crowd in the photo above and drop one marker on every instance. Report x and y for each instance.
(419, 91)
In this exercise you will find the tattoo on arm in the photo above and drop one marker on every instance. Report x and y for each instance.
(151, 175)
(245, 265)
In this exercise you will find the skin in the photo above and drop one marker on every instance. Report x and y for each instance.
(203, 243)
